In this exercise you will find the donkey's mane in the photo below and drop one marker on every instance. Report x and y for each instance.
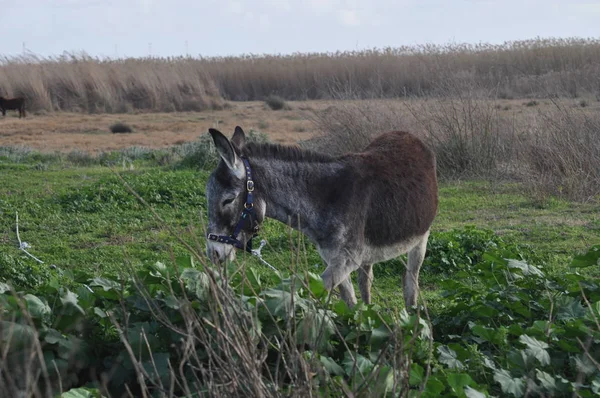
(285, 152)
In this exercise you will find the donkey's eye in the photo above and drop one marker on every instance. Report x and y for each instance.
(227, 201)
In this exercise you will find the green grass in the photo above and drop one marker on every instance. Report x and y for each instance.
(556, 229)
(84, 218)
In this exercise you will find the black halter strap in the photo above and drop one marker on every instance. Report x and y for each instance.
(248, 220)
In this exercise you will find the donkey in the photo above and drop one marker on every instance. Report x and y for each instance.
(13, 103)
(358, 209)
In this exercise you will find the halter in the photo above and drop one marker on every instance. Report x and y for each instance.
(248, 216)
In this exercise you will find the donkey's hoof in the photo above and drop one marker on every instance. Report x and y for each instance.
(327, 277)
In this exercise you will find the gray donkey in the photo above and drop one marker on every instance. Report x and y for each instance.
(358, 209)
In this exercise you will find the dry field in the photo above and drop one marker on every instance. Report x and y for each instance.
(65, 132)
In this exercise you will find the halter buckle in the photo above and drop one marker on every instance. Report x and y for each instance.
(249, 185)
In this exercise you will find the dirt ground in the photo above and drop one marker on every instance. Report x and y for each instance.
(65, 132)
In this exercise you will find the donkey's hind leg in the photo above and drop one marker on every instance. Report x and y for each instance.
(411, 276)
(365, 280)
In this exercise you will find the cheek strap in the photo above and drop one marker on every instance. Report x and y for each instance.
(248, 219)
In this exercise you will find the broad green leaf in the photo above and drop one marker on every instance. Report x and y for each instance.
(358, 363)
(589, 259)
(416, 374)
(536, 348)
(58, 368)
(585, 365)
(253, 279)
(36, 307)
(99, 312)
(315, 284)
(384, 381)
(16, 335)
(526, 269)
(53, 336)
(172, 302)
(494, 336)
(157, 367)
(458, 382)
(183, 262)
(379, 336)
(494, 258)
(281, 303)
(67, 347)
(86, 297)
(473, 393)
(82, 392)
(4, 287)
(596, 385)
(546, 380)
(105, 283)
(342, 309)
(196, 282)
(315, 329)
(449, 358)
(331, 366)
(509, 385)
(433, 388)
(70, 300)
(425, 329)
(569, 308)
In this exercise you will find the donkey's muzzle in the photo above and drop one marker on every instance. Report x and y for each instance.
(220, 253)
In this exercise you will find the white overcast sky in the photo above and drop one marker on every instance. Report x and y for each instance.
(233, 27)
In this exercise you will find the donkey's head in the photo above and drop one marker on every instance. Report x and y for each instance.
(234, 213)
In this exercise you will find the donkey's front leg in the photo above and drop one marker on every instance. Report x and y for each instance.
(347, 292)
(337, 274)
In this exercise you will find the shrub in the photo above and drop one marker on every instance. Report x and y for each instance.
(466, 132)
(202, 154)
(173, 330)
(564, 153)
(350, 127)
(120, 128)
(276, 103)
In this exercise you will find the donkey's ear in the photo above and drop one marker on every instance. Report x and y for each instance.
(227, 152)
(239, 138)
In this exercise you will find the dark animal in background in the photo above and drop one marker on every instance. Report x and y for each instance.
(359, 209)
(13, 104)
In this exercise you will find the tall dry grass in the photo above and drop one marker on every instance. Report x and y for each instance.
(563, 151)
(82, 83)
(533, 68)
(553, 150)
(517, 69)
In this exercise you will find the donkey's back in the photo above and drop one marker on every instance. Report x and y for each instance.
(397, 184)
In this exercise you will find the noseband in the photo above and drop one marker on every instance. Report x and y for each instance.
(248, 216)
